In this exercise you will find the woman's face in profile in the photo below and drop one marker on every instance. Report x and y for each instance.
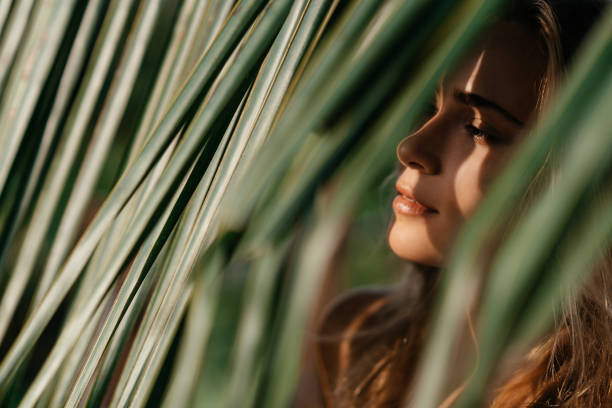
(476, 123)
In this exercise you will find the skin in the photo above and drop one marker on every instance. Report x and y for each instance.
(476, 124)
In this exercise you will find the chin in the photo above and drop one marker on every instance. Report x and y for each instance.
(412, 243)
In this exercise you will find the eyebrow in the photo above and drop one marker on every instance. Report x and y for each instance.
(478, 101)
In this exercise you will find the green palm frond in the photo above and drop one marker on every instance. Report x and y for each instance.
(247, 149)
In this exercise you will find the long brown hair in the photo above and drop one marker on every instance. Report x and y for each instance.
(571, 367)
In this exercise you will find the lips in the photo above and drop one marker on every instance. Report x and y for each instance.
(406, 203)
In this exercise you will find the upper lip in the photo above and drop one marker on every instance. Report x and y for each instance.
(403, 190)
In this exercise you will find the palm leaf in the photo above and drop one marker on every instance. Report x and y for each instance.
(266, 127)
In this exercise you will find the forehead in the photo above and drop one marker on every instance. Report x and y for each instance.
(506, 67)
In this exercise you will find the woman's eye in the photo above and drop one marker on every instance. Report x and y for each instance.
(479, 135)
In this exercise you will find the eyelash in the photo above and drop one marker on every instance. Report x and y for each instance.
(479, 135)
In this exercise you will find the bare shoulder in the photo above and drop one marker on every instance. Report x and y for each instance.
(344, 316)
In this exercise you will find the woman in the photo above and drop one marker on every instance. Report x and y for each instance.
(370, 339)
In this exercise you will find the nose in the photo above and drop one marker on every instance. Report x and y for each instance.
(420, 151)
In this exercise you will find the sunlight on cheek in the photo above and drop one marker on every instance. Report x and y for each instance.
(467, 183)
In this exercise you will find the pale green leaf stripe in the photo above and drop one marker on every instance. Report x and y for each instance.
(217, 17)
(264, 100)
(140, 267)
(157, 316)
(4, 12)
(301, 41)
(138, 271)
(519, 259)
(177, 275)
(45, 399)
(97, 54)
(193, 343)
(112, 239)
(132, 282)
(238, 201)
(12, 37)
(260, 94)
(166, 85)
(24, 66)
(316, 150)
(185, 227)
(119, 339)
(194, 245)
(504, 192)
(213, 19)
(60, 168)
(74, 64)
(103, 137)
(47, 371)
(141, 200)
(255, 311)
(72, 329)
(344, 42)
(316, 253)
(264, 84)
(96, 267)
(168, 79)
(29, 75)
(132, 178)
(198, 238)
(90, 330)
(59, 384)
(315, 153)
(168, 330)
(123, 222)
(121, 336)
(167, 294)
(182, 234)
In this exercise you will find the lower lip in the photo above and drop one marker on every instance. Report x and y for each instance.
(407, 207)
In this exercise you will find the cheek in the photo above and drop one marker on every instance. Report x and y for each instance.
(468, 183)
